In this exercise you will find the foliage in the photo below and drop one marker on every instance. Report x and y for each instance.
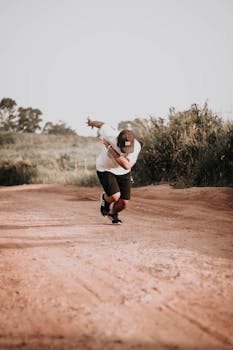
(8, 114)
(66, 159)
(6, 138)
(60, 128)
(16, 173)
(29, 120)
(7, 103)
(190, 148)
(88, 179)
(194, 148)
(18, 119)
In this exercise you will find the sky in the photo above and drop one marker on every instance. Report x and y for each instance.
(116, 60)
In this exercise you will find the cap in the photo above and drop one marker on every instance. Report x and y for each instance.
(125, 141)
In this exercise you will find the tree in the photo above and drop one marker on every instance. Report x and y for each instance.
(8, 114)
(8, 103)
(29, 120)
(58, 129)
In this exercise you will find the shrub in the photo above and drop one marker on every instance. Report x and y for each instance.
(17, 173)
(6, 138)
(194, 148)
(60, 128)
(57, 158)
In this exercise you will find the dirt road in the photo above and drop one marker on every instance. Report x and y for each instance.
(71, 280)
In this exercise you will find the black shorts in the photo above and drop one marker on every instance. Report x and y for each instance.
(115, 183)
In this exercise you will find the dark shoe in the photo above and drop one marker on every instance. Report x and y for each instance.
(114, 218)
(104, 206)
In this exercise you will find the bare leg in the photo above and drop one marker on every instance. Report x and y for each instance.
(113, 198)
(119, 205)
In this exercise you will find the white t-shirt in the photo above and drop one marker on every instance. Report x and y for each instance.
(105, 162)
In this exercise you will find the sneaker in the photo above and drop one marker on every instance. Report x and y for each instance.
(104, 206)
(114, 218)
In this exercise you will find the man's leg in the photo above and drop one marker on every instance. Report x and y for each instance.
(119, 205)
(106, 201)
(117, 193)
(111, 188)
(121, 201)
(114, 205)
(113, 198)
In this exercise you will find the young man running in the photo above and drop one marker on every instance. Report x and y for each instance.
(113, 166)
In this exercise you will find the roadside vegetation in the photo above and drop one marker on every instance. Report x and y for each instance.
(189, 148)
(193, 148)
(52, 154)
(39, 158)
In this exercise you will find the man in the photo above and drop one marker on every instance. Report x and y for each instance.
(113, 166)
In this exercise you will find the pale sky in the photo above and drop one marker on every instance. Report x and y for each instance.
(116, 60)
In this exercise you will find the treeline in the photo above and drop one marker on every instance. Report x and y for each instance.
(27, 120)
(189, 148)
(192, 148)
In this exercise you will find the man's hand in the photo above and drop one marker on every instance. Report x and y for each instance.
(93, 123)
(89, 122)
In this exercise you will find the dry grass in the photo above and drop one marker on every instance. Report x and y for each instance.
(57, 159)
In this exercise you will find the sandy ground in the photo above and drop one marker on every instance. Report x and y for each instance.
(69, 279)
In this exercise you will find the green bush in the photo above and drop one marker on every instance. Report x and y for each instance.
(214, 165)
(194, 148)
(17, 173)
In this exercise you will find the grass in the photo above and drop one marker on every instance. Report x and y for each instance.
(54, 159)
(192, 148)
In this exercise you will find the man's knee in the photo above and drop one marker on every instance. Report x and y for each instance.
(115, 197)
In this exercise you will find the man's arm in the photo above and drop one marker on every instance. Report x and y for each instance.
(121, 160)
(94, 123)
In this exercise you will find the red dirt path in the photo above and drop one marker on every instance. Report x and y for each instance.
(71, 280)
